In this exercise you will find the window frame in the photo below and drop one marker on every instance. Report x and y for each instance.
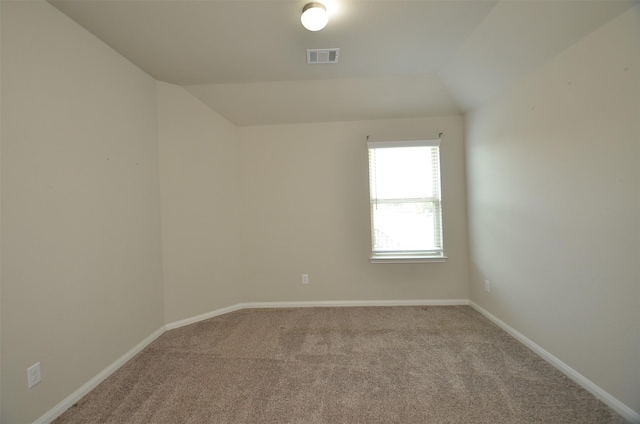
(407, 256)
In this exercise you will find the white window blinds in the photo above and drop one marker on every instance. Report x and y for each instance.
(406, 212)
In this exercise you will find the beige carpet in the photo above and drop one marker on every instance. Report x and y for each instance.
(339, 365)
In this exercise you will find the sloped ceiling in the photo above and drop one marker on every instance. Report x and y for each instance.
(246, 59)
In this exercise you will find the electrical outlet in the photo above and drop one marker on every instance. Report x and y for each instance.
(487, 286)
(305, 278)
(33, 375)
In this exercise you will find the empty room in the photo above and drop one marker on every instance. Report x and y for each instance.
(346, 211)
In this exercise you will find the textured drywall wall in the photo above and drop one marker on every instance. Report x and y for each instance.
(81, 248)
(305, 198)
(553, 172)
(200, 184)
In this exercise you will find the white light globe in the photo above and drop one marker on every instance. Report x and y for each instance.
(314, 16)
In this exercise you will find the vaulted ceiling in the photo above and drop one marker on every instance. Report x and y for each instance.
(246, 59)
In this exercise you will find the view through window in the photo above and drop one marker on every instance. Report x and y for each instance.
(406, 213)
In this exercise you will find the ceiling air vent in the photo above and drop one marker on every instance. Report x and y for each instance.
(318, 56)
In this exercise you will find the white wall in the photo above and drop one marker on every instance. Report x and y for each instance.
(306, 210)
(0, 216)
(81, 249)
(200, 184)
(553, 183)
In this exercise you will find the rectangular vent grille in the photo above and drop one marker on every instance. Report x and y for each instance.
(319, 56)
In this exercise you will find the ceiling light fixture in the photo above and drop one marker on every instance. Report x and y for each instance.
(314, 16)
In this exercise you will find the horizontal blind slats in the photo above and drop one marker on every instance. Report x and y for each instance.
(405, 197)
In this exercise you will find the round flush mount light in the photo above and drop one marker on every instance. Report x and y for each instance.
(314, 16)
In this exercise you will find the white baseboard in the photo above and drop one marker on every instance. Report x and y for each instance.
(74, 397)
(314, 304)
(622, 409)
(347, 303)
(202, 317)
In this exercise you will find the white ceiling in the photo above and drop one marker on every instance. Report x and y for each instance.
(246, 59)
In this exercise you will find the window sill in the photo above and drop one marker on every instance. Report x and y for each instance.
(400, 259)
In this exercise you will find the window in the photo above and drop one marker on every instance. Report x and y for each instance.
(406, 212)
